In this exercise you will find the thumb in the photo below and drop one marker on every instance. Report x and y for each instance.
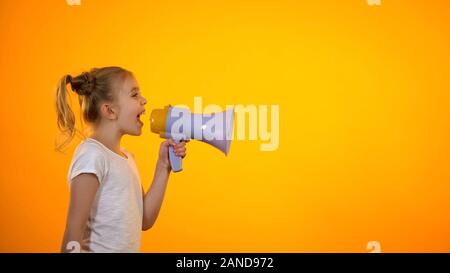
(170, 142)
(165, 143)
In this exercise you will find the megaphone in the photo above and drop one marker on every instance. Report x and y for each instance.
(180, 124)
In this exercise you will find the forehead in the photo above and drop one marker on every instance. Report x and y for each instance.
(128, 84)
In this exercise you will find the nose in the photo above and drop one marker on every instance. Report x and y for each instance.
(144, 101)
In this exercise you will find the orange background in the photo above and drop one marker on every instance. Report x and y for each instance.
(364, 120)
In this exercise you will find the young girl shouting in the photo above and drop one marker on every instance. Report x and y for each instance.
(108, 207)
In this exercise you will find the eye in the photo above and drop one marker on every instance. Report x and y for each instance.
(134, 95)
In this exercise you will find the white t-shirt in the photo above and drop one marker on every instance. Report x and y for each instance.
(115, 221)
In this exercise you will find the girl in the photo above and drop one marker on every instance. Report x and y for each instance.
(108, 207)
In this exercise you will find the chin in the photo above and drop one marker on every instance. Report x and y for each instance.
(137, 132)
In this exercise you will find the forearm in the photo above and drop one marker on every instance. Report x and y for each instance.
(155, 195)
(72, 234)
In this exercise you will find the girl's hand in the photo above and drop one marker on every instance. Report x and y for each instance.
(179, 149)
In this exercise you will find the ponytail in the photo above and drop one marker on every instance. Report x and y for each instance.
(66, 118)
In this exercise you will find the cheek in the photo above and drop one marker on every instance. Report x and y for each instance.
(125, 109)
(128, 115)
(124, 116)
(128, 112)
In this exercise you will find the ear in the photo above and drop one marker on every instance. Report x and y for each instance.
(108, 111)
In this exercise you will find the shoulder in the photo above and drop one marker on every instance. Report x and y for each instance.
(89, 157)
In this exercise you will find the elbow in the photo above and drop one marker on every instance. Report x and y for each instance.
(147, 226)
(149, 221)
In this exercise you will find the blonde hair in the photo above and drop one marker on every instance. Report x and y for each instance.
(92, 87)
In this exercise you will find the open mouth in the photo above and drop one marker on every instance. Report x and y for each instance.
(139, 117)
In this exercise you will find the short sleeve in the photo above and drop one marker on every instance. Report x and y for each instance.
(88, 158)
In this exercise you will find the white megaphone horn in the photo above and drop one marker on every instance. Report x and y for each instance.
(180, 124)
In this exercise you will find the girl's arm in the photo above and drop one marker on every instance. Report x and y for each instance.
(82, 194)
(154, 197)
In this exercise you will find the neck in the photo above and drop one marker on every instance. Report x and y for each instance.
(108, 136)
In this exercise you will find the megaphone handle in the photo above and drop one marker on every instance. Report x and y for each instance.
(175, 161)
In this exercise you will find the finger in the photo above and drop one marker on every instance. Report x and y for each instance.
(181, 150)
(171, 142)
(180, 145)
(181, 153)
